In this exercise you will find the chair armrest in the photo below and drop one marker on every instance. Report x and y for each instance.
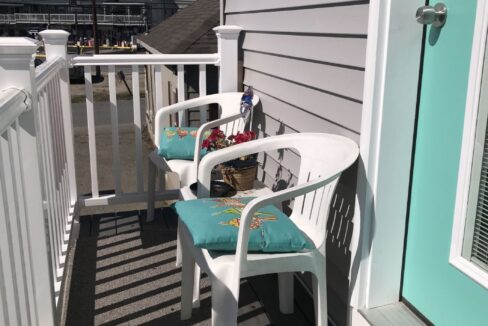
(209, 161)
(188, 104)
(337, 146)
(277, 197)
(208, 126)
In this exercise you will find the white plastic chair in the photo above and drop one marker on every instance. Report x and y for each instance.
(230, 122)
(323, 158)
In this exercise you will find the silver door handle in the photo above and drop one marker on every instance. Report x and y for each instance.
(436, 15)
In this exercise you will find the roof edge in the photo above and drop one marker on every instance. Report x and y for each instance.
(148, 47)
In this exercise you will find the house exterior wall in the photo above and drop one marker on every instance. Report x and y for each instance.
(306, 60)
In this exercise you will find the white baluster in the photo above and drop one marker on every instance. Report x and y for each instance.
(181, 94)
(158, 90)
(138, 127)
(202, 86)
(90, 117)
(158, 93)
(114, 120)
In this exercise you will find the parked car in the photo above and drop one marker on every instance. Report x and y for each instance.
(33, 33)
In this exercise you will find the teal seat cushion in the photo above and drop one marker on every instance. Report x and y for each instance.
(214, 225)
(179, 143)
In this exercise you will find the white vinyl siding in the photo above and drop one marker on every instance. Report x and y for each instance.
(306, 61)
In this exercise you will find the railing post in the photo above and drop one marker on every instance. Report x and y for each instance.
(17, 70)
(17, 62)
(228, 37)
(55, 44)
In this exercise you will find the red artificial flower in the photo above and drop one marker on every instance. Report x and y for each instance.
(206, 144)
(218, 140)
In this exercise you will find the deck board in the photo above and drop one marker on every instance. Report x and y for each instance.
(124, 273)
(394, 314)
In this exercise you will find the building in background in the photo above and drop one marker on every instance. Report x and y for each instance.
(188, 31)
(118, 20)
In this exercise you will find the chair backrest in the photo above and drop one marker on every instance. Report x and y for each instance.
(229, 105)
(321, 155)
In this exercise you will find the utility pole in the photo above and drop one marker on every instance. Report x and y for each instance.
(95, 35)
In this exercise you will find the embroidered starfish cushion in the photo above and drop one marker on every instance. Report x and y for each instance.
(179, 143)
(214, 225)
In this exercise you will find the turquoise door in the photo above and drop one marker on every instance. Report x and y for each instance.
(438, 290)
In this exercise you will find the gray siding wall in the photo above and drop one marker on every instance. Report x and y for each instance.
(306, 61)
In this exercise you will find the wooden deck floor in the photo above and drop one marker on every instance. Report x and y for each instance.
(124, 273)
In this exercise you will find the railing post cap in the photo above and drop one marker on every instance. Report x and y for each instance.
(54, 36)
(18, 45)
(228, 30)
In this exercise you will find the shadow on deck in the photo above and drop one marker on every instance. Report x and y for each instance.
(124, 273)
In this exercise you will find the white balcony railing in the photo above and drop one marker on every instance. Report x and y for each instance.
(38, 194)
(57, 157)
(26, 295)
(37, 179)
(135, 62)
(228, 77)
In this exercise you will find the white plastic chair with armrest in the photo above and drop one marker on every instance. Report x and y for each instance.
(323, 158)
(230, 121)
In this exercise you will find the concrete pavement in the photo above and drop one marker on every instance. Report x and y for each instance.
(102, 113)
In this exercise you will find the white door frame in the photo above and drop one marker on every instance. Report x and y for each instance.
(387, 132)
(393, 59)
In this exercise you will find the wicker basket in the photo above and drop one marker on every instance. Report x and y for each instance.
(240, 179)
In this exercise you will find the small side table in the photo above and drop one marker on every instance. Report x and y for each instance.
(258, 189)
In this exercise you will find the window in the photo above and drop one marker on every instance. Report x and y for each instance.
(469, 245)
(475, 244)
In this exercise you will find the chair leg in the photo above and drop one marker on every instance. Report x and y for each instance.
(320, 298)
(196, 286)
(187, 283)
(224, 304)
(286, 293)
(178, 247)
(197, 272)
(151, 189)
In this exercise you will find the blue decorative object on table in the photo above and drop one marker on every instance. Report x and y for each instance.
(246, 101)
